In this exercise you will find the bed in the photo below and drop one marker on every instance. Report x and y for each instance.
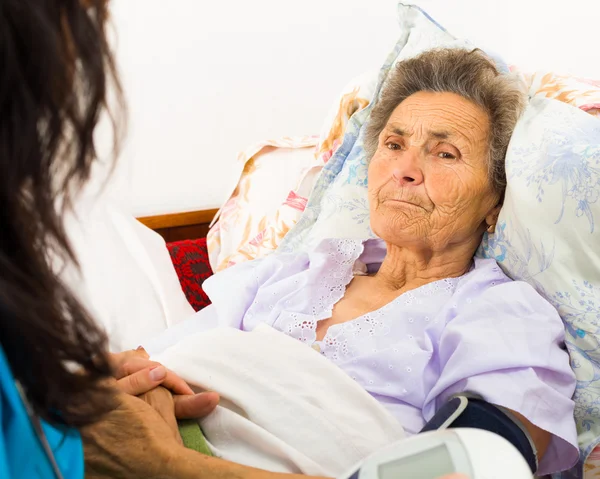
(557, 197)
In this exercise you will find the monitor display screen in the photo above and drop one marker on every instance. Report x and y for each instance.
(430, 464)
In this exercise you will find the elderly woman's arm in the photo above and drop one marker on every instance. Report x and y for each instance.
(139, 439)
(188, 464)
(507, 347)
(540, 438)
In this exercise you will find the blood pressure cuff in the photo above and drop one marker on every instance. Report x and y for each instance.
(463, 411)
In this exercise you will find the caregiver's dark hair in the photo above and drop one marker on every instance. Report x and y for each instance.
(55, 68)
(470, 74)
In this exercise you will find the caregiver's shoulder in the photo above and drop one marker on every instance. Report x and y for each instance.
(487, 289)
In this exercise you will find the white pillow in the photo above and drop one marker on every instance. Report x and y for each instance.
(126, 278)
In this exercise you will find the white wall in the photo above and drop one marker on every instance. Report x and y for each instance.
(554, 35)
(204, 78)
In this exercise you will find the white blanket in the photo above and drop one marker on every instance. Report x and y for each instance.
(284, 407)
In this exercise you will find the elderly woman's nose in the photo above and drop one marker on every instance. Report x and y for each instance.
(405, 179)
(409, 174)
(406, 168)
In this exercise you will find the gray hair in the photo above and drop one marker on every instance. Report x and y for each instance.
(470, 74)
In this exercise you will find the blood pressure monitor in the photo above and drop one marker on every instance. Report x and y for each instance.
(477, 453)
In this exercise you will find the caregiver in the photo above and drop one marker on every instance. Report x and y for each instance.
(56, 379)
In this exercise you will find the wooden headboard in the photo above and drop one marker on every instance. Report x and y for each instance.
(181, 226)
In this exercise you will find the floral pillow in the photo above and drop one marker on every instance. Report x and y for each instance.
(582, 93)
(548, 234)
(260, 210)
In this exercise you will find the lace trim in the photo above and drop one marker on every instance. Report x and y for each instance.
(303, 328)
(344, 340)
(332, 285)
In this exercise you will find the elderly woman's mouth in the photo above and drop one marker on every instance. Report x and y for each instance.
(397, 203)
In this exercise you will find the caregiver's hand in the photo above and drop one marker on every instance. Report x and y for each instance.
(137, 375)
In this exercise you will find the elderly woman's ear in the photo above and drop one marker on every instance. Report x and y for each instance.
(492, 218)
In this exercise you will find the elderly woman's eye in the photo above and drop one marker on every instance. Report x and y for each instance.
(446, 155)
(393, 146)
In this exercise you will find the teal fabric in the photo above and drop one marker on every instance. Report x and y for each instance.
(21, 454)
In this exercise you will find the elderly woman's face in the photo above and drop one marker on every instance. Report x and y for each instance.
(428, 179)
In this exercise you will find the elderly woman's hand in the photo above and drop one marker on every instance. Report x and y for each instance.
(133, 440)
(140, 439)
(136, 375)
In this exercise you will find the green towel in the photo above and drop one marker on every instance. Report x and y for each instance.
(193, 437)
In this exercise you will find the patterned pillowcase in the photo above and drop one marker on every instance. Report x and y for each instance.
(548, 233)
(582, 93)
(260, 210)
(190, 259)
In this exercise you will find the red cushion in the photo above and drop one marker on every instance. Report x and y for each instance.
(190, 258)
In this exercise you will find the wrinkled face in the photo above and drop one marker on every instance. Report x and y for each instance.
(428, 179)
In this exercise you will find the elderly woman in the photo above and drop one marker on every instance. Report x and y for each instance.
(415, 318)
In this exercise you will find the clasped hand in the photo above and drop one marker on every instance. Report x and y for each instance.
(137, 375)
(140, 437)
